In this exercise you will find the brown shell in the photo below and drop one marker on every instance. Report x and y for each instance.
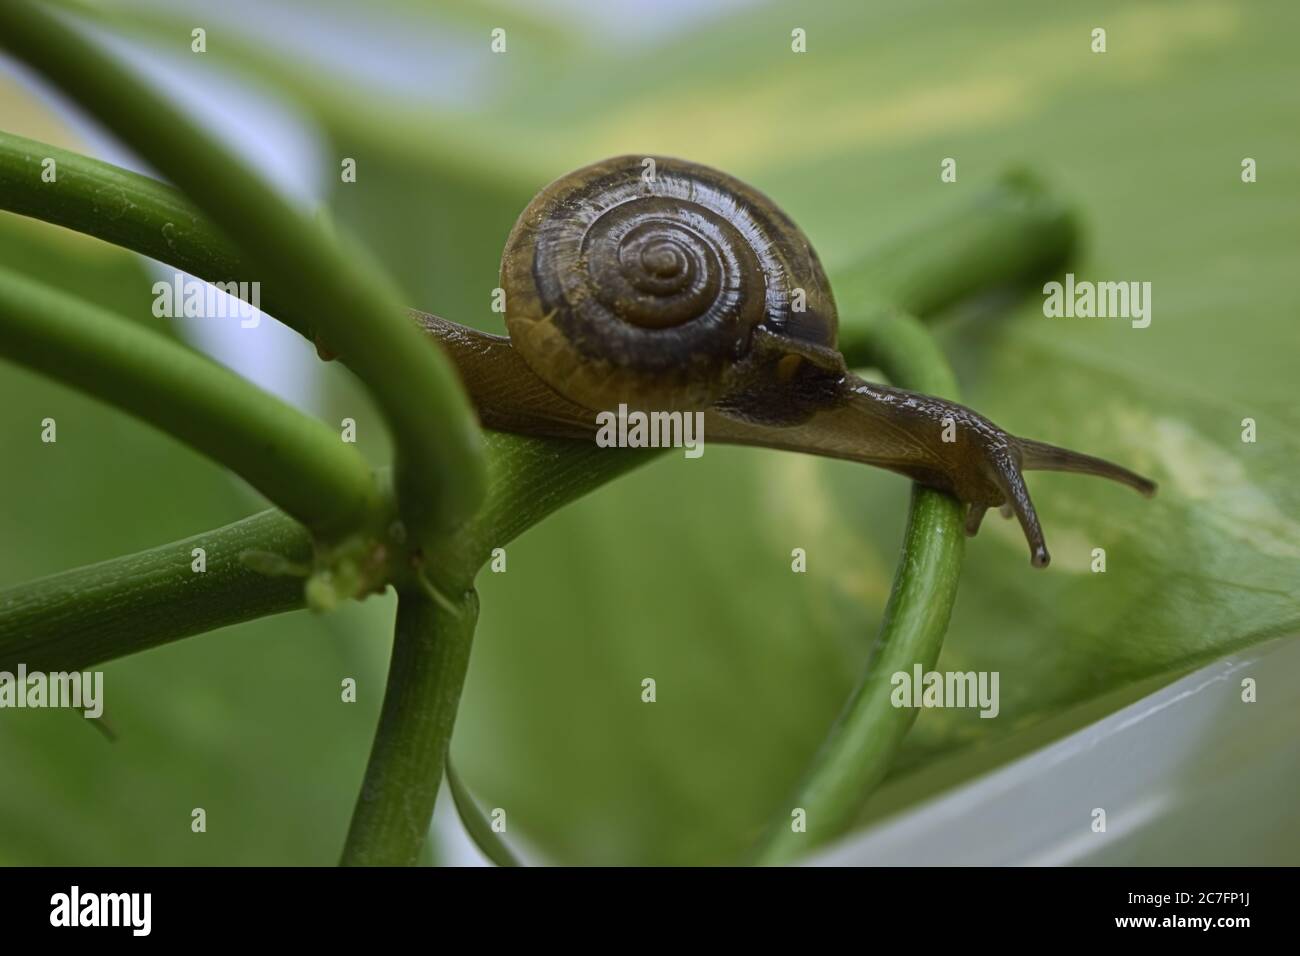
(626, 288)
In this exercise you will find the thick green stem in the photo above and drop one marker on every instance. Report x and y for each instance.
(86, 616)
(296, 461)
(333, 288)
(425, 678)
(129, 210)
(861, 746)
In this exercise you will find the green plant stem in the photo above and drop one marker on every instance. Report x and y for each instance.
(93, 614)
(861, 746)
(81, 618)
(296, 461)
(425, 677)
(431, 648)
(439, 469)
(128, 210)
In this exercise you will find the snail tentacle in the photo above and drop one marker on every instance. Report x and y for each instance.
(1040, 456)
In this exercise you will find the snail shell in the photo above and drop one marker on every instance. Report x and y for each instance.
(662, 290)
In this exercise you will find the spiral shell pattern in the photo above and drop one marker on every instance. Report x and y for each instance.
(623, 287)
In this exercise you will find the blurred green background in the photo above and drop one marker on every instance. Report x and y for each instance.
(681, 571)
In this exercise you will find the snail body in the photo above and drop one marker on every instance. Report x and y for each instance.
(671, 286)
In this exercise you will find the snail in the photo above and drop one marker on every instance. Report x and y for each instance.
(689, 290)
